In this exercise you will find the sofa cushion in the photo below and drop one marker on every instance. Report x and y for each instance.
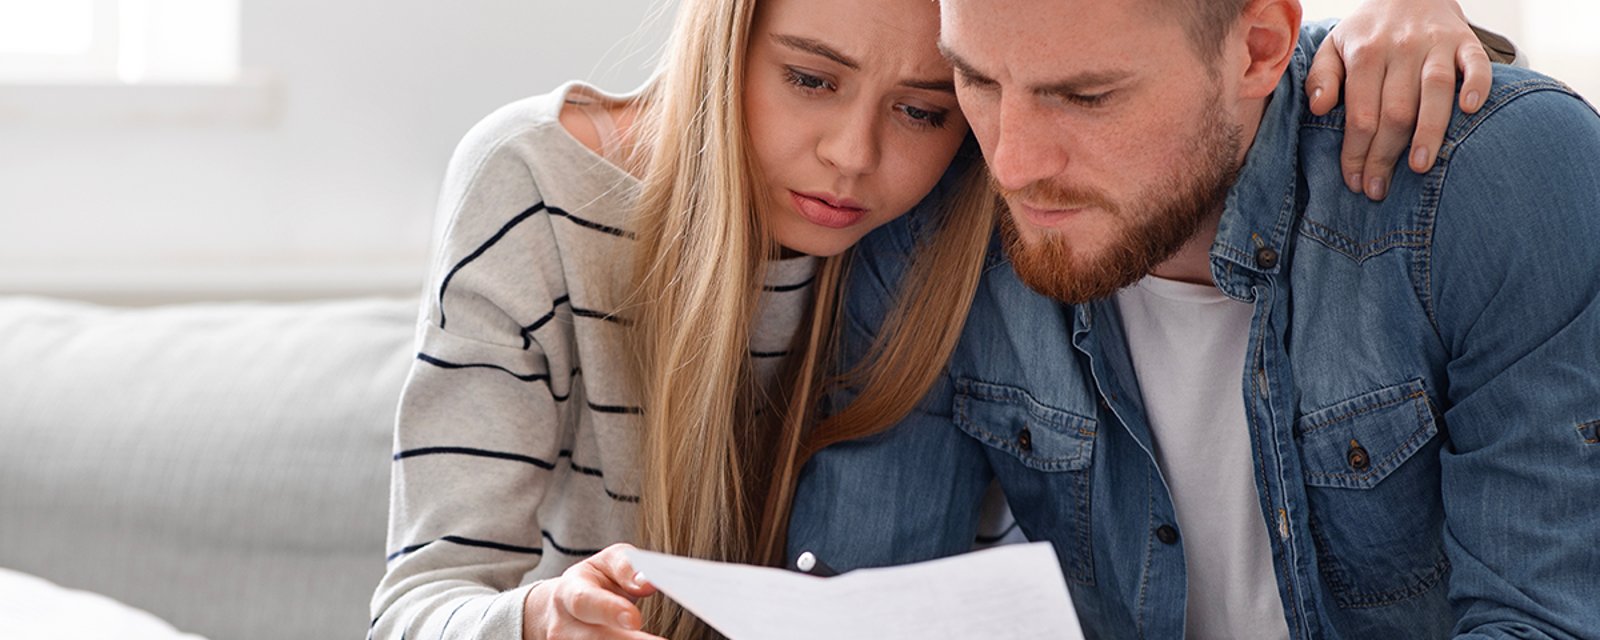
(34, 608)
(222, 466)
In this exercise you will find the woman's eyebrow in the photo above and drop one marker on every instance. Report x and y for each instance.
(808, 45)
(942, 85)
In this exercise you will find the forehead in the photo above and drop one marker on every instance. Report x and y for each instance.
(899, 33)
(1026, 38)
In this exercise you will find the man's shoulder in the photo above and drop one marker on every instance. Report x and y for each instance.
(1526, 106)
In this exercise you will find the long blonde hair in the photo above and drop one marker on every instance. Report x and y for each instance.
(720, 456)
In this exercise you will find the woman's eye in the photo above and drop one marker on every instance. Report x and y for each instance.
(806, 81)
(924, 117)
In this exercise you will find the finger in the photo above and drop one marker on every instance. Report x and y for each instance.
(1363, 90)
(571, 630)
(1324, 79)
(613, 563)
(593, 604)
(1476, 75)
(1433, 116)
(1396, 121)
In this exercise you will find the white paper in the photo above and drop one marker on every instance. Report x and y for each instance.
(1012, 591)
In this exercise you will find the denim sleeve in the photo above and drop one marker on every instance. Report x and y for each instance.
(911, 493)
(1514, 286)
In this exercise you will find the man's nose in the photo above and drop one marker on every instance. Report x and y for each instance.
(1026, 149)
(851, 145)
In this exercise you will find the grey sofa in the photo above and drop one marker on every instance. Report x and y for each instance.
(222, 466)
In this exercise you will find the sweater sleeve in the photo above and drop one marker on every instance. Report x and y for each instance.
(481, 420)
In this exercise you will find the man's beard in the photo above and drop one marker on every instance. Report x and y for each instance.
(1154, 225)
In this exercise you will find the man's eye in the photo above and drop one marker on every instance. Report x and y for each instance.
(1087, 99)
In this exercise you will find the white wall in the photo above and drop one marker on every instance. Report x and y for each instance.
(1555, 37)
(335, 193)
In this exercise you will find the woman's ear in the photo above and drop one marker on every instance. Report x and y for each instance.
(1271, 29)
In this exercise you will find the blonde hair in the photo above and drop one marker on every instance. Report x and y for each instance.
(720, 455)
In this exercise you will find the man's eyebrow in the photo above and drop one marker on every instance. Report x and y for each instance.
(1071, 85)
(815, 47)
(967, 70)
(1082, 82)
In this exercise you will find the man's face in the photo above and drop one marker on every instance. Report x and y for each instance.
(1110, 137)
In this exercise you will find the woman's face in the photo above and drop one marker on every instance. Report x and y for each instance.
(852, 115)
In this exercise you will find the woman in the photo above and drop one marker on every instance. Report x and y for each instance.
(627, 328)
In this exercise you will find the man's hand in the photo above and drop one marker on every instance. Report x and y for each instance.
(1398, 60)
(592, 599)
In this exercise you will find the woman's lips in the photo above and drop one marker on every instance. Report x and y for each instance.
(826, 210)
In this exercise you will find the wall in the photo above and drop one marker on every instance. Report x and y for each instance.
(326, 184)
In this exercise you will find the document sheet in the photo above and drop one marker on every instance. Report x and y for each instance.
(1012, 591)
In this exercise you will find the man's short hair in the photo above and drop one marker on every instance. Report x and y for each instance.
(1206, 21)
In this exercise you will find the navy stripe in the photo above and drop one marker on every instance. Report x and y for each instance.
(997, 537)
(468, 542)
(527, 332)
(622, 498)
(601, 315)
(529, 377)
(768, 354)
(469, 451)
(515, 457)
(564, 550)
(607, 408)
(623, 233)
(498, 235)
(785, 288)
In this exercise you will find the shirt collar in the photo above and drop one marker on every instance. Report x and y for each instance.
(1252, 235)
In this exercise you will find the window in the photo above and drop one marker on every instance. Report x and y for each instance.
(119, 41)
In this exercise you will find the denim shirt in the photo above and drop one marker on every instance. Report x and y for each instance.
(1422, 390)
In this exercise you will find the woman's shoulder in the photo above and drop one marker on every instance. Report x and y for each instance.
(520, 122)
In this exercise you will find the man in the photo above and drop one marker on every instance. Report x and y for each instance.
(1240, 398)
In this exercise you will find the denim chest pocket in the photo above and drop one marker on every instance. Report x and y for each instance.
(1372, 478)
(1007, 418)
(1043, 458)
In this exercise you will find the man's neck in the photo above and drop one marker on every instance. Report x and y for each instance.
(1192, 262)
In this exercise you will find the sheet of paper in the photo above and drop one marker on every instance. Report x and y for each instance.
(1012, 591)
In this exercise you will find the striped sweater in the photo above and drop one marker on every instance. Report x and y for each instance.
(516, 447)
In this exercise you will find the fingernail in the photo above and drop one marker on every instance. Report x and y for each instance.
(1316, 93)
(638, 580)
(1355, 182)
(1473, 98)
(1419, 157)
(626, 620)
(1375, 188)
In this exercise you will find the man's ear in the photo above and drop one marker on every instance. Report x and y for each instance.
(1271, 29)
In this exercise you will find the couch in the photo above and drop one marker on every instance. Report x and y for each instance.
(224, 467)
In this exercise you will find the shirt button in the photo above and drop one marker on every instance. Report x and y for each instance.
(1357, 457)
(1266, 257)
(1166, 534)
(1025, 440)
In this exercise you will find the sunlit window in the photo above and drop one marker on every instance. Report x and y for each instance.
(119, 41)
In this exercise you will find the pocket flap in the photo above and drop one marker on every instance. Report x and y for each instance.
(1009, 419)
(1357, 443)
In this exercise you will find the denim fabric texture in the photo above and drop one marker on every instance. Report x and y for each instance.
(1422, 389)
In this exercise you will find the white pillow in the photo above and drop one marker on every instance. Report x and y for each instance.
(37, 609)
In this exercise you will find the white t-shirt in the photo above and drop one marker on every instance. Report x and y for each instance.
(1188, 344)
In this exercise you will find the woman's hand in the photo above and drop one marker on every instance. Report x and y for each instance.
(1398, 60)
(592, 599)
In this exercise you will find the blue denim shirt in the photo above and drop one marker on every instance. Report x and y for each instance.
(1422, 389)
